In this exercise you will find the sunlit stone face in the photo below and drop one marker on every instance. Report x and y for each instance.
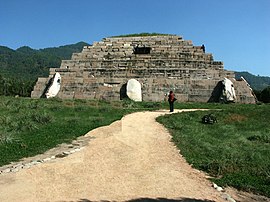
(55, 87)
(229, 90)
(134, 91)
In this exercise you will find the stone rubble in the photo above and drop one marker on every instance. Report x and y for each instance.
(59, 152)
(225, 196)
(18, 167)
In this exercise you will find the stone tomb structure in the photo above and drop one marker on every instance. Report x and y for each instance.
(158, 63)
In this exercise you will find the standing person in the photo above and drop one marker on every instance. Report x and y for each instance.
(171, 99)
(203, 48)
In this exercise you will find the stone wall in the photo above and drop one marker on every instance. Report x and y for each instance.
(100, 70)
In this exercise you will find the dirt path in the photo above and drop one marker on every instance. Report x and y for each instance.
(129, 160)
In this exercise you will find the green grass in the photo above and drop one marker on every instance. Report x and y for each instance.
(29, 127)
(143, 34)
(235, 151)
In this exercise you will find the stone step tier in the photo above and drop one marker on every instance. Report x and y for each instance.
(39, 88)
(100, 71)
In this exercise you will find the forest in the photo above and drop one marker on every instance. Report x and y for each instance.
(20, 68)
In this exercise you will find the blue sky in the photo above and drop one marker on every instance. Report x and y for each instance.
(236, 32)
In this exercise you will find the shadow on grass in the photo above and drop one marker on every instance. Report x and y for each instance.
(154, 200)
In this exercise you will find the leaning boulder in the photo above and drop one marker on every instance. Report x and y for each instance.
(228, 91)
(134, 91)
(55, 87)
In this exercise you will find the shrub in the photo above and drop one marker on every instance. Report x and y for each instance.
(6, 138)
(260, 138)
(265, 95)
(41, 118)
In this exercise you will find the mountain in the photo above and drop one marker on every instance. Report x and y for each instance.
(28, 63)
(66, 51)
(257, 83)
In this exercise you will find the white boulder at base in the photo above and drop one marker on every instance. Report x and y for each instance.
(228, 91)
(55, 87)
(134, 91)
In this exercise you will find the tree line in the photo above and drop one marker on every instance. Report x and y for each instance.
(264, 95)
(16, 87)
(20, 68)
(28, 63)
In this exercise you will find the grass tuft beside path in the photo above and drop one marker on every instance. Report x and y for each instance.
(235, 150)
(32, 126)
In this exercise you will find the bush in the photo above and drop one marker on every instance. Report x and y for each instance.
(41, 118)
(265, 95)
(6, 138)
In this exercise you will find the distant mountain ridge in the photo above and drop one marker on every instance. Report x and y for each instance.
(29, 64)
(256, 82)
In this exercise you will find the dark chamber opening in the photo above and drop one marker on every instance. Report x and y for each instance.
(216, 93)
(123, 92)
(142, 50)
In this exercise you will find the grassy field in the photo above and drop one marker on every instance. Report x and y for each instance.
(235, 151)
(29, 127)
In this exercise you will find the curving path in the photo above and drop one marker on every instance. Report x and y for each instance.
(128, 160)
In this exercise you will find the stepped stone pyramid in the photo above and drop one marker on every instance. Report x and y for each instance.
(159, 63)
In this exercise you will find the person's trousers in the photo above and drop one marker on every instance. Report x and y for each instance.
(171, 106)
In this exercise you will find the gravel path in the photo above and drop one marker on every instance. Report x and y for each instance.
(129, 160)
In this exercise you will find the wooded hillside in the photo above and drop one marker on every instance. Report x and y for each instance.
(256, 82)
(27, 63)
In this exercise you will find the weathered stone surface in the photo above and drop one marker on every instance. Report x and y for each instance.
(55, 86)
(100, 71)
(227, 197)
(229, 90)
(134, 91)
